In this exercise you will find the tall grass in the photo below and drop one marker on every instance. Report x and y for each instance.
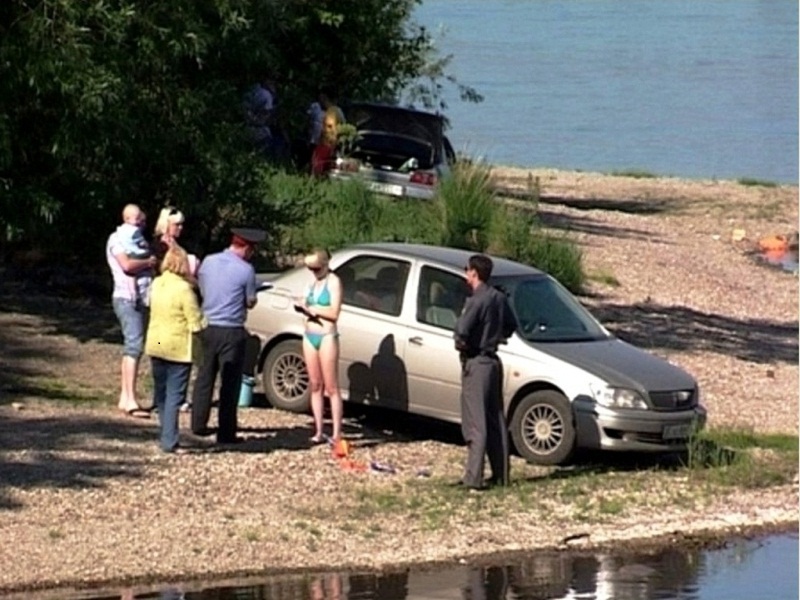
(517, 234)
(407, 220)
(466, 206)
(345, 215)
(742, 458)
(465, 213)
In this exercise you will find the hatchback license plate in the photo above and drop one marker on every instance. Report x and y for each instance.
(675, 432)
(386, 188)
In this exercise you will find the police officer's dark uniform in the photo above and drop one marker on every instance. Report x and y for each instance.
(486, 321)
(227, 283)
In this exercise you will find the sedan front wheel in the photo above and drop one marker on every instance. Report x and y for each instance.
(542, 428)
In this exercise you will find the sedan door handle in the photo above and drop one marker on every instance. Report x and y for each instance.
(416, 340)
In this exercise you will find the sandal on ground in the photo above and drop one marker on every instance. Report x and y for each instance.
(136, 413)
(317, 439)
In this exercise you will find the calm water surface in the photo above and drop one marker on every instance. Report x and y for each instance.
(745, 569)
(691, 88)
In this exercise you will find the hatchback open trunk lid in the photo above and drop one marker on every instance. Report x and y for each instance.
(381, 118)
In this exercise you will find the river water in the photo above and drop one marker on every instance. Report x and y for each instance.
(689, 88)
(743, 569)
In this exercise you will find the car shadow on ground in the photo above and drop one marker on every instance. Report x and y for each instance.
(634, 206)
(363, 426)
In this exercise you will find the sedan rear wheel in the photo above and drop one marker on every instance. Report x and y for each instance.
(542, 428)
(285, 378)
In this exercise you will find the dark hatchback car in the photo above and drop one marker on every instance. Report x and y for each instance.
(397, 151)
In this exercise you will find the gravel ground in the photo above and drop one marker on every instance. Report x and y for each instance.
(87, 499)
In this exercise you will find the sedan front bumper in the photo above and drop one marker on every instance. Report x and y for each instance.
(635, 430)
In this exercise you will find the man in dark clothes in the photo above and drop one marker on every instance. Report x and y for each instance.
(227, 283)
(486, 321)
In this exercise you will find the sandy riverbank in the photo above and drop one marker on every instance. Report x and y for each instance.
(86, 498)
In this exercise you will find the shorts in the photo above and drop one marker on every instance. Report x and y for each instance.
(132, 317)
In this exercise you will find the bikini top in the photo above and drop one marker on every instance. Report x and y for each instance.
(323, 298)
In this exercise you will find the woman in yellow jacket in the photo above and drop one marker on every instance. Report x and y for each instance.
(174, 316)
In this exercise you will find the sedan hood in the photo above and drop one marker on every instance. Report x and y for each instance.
(396, 120)
(621, 365)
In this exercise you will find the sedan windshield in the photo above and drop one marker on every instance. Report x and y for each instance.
(547, 312)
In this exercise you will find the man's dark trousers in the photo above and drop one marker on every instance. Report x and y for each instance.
(482, 422)
(223, 352)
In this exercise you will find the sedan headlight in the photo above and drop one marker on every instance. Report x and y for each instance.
(614, 397)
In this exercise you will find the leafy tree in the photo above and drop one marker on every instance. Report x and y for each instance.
(115, 101)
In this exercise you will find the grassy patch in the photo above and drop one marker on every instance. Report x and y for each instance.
(739, 458)
(58, 391)
(718, 463)
(251, 535)
(603, 277)
(752, 182)
(634, 173)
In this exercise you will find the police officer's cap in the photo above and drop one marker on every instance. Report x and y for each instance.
(244, 236)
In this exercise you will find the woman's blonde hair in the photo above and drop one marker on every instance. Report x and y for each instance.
(331, 115)
(318, 257)
(168, 214)
(176, 260)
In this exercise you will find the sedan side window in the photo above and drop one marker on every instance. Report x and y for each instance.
(374, 283)
(440, 298)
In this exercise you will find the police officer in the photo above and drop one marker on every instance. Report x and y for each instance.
(486, 321)
(227, 283)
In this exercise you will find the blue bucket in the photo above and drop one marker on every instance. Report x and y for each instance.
(246, 391)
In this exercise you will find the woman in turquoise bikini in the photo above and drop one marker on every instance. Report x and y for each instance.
(321, 305)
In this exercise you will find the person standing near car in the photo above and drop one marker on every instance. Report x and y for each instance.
(323, 156)
(485, 322)
(167, 230)
(321, 305)
(130, 307)
(227, 283)
(174, 317)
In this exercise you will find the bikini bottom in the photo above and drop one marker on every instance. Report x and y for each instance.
(315, 339)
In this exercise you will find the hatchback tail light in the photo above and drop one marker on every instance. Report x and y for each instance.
(423, 178)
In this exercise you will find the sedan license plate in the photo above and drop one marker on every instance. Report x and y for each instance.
(386, 188)
(676, 432)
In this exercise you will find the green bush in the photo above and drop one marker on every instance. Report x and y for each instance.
(516, 234)
(293, 198)
(465, 203)
(465, 214)
(345, 215)
(407, 220)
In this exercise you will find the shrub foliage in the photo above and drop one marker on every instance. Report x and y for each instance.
(113, 101)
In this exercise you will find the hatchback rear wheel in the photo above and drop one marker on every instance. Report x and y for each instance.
(285, 378)
(542, 428)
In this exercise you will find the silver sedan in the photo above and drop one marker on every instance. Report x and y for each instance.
(568, 383)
